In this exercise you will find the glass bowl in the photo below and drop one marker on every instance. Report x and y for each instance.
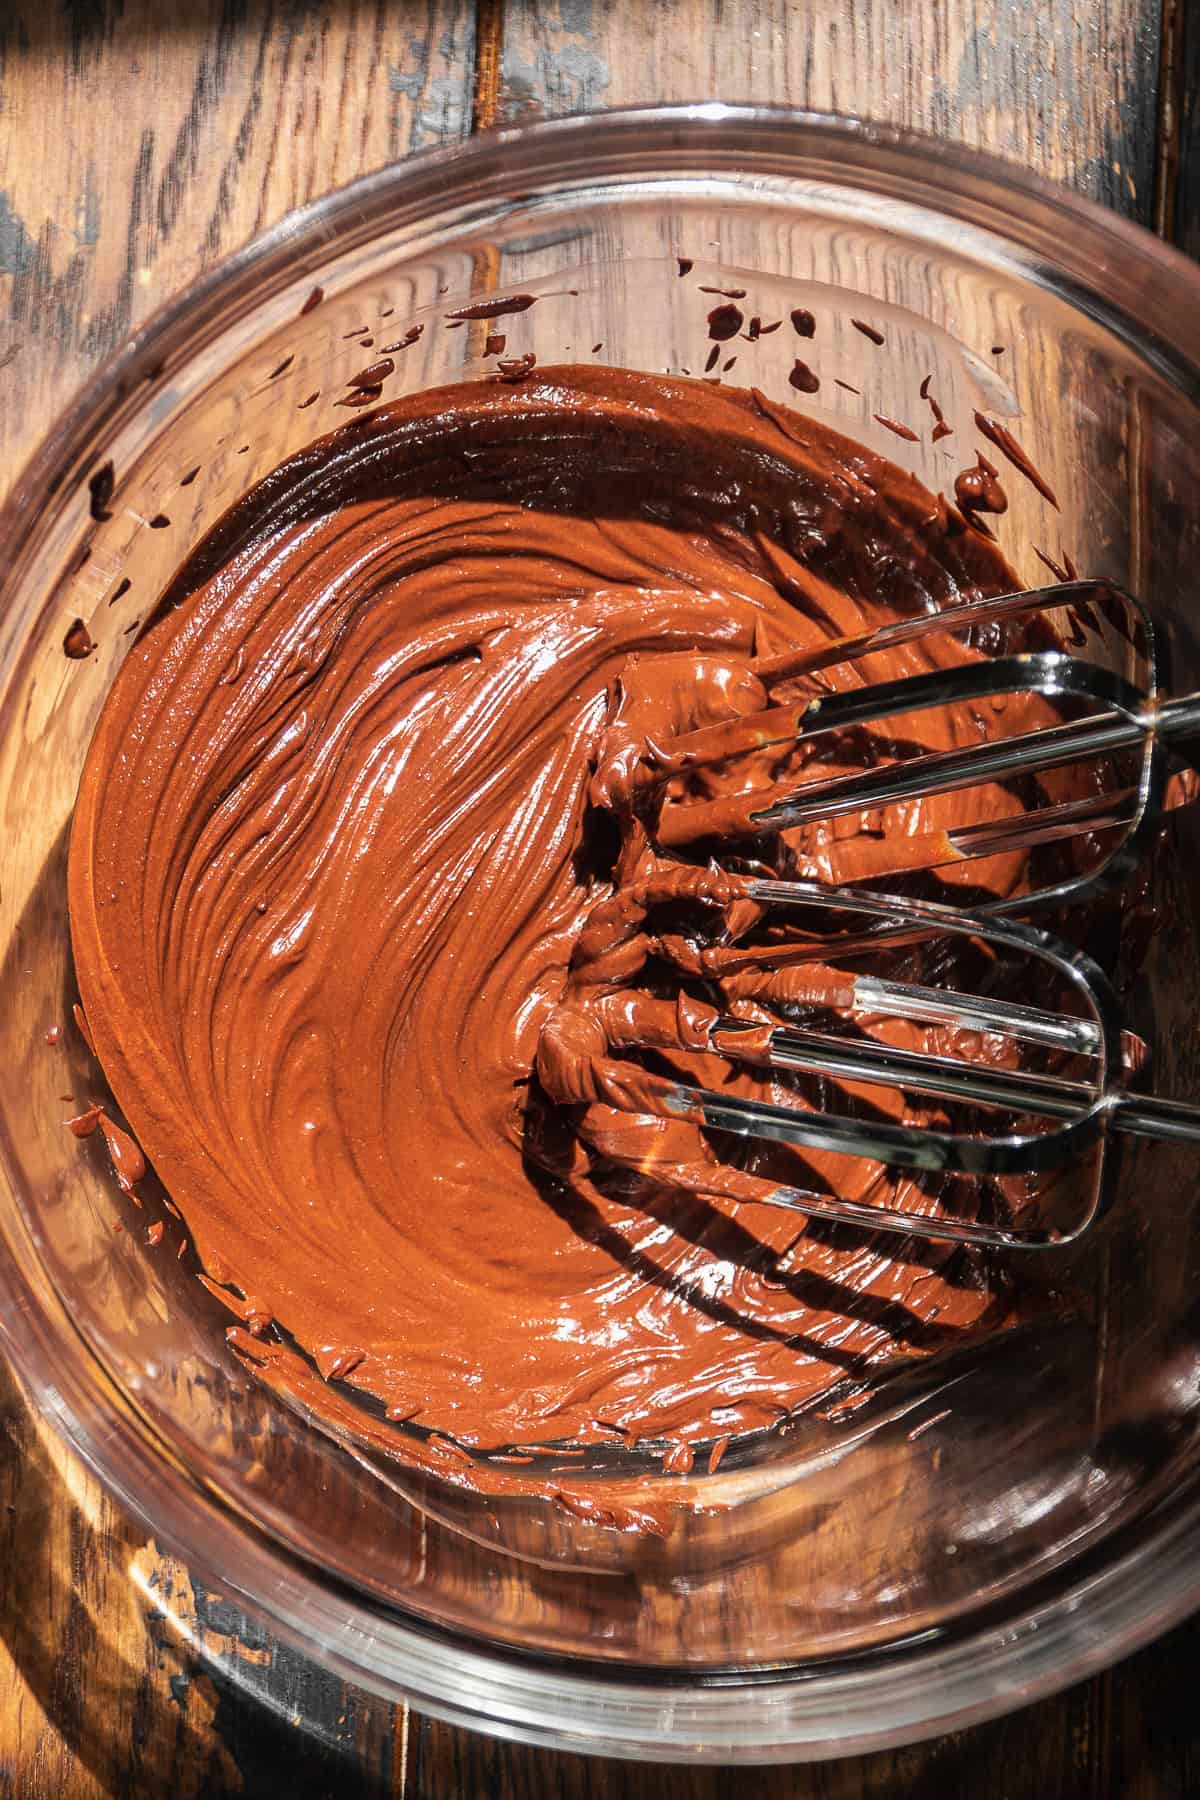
(986, 1525)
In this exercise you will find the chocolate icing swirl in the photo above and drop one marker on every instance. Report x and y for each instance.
(339, 837)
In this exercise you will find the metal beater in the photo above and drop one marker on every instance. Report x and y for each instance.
(1108, 676)
(1036, 1093)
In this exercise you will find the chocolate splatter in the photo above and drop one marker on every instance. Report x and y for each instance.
(727, 293)
(1008, 446)
(494, 309)
(314, 300)
(901, 431)
(360, 397)
(868, 331)
(713, 354)
(374, 375)
(803, 379)
(978, 490)
(154, 1233)
(187, 480)
(849, 386)
(78, 641)
(1058, 572)
(804, 323)
(410, 337)
(315, 395)
(100, 489)
(128, 1163)
(686, 264)
(940, 428)
(160, 521)
(724, 322)
(515, 368)
(123, 586)
(281, 368)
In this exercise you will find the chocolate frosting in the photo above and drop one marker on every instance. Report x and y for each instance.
(356, 836)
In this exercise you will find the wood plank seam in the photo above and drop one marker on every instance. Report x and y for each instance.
(1168, 137)
(489, 39)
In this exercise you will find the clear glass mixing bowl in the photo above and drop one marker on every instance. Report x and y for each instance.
(990, 1524)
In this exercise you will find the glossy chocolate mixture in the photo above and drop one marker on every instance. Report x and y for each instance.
(357, 832)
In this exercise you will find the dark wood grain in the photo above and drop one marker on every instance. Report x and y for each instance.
(991, 1763)
(121, 1676)
(139, 141)
(1184, 220)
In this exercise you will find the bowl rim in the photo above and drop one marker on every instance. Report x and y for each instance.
(1095, 1611)
(700, 120)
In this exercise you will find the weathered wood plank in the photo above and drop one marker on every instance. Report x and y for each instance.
(1067, 90)
(119, 1675)
(139, 146)
(1185, 221)
(140, 140)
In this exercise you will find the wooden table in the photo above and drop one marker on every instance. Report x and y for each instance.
(139, 141)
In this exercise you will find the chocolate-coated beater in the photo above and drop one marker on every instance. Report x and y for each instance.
(1096, 669)
(1025, 1098)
